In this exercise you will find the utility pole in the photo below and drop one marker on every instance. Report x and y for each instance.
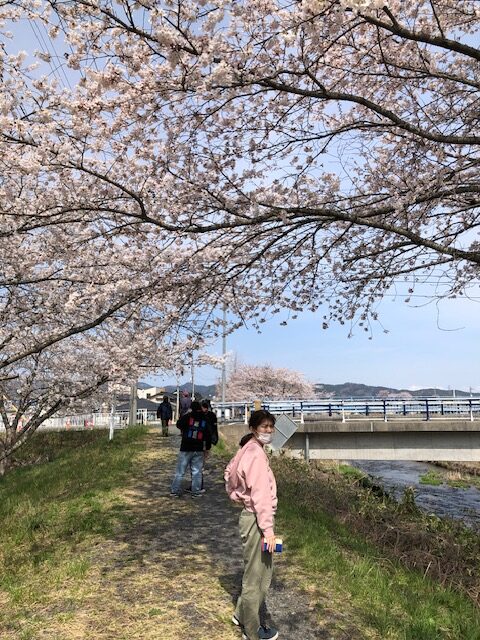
(177, 403)
(224, 364)
(193, 378)
(132, 416)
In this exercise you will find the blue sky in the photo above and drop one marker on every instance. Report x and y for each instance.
(415, 352)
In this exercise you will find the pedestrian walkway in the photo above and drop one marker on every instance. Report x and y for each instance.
(174, 570)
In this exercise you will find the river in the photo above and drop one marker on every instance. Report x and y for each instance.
(442, 500)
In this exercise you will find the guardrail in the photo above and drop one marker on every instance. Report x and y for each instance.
(383, 409)
(301, 410)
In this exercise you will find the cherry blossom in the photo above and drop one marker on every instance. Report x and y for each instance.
(264, 382)
(266, 156)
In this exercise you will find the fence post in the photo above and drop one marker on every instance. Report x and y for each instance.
(302, 418)
(246, 414)
(404, 409)
(385, 411)
(112, 421)
(471, 410)
(330, 409)
(343, 412)
(307, 447)
(367, 409)
(427, 410)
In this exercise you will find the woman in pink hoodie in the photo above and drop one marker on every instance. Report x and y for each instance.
(250, 482)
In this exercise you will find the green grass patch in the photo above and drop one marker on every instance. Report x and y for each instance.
(461, 483)
(51, 512)
(222, 450)
(379, 596)
(431, 477)
(475, 481)
(351, 472)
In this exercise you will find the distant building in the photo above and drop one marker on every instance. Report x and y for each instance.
(152, 393)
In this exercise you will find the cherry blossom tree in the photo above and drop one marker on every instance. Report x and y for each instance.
(78, 373)
(86, 298)
(328, 148)
(264, 382)
(262, 154)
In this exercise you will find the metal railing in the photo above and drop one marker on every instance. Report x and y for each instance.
(94, 420)
(301, 410)
(372, 409)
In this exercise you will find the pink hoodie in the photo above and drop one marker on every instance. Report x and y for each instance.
(250, 481)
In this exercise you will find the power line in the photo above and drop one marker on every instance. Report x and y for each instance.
(44, 46)
(61, 66)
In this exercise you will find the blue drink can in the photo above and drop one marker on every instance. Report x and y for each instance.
(278, 545)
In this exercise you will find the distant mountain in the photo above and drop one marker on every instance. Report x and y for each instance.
(203, 390)
(357, 390)
(345, 390)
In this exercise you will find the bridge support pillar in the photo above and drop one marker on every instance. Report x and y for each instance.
(307, 448)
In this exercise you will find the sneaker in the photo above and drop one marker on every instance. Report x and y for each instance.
(175, 495)
(236, 621)
(264, 633)
(197, 495)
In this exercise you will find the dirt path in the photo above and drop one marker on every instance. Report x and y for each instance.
(173, 571)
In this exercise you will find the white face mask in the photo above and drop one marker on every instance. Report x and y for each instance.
(265, 438)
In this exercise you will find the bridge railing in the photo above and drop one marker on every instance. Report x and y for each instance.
(300, 410)
(383, 409)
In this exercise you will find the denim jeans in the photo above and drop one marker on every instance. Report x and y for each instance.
(195, 460)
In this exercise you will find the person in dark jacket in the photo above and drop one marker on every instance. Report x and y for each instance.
(196, 429)
(165, 413)
(207, 409)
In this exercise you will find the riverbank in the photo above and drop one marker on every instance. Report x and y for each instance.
(440, 491)
(445, 550)
(94, 547)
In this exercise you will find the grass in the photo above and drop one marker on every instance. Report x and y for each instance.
(52, 513)
(92, 549)
(433, 478)
(461, 474)
(455, 479)
(87, 554)
(327, 533)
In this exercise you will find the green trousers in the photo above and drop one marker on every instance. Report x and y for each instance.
(257, 575)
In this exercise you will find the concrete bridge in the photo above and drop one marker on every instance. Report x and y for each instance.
(420, 440)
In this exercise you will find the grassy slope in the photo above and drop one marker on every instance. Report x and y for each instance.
(52, 513)
(364, 580)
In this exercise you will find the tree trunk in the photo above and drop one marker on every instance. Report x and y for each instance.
(6, 446)
(5, 465)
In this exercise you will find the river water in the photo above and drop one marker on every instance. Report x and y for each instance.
(443, 501)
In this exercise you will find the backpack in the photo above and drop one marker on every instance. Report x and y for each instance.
(196, 429)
